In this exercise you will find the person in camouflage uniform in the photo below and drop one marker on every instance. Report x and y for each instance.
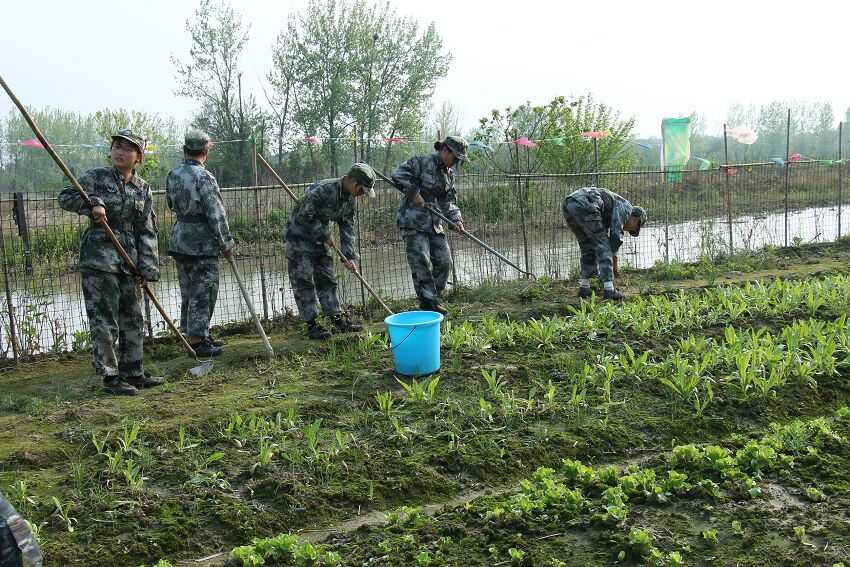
(428, 180)
(18, 546)
(112, 296)
(598, 218)
(198, 236)
(307, 234)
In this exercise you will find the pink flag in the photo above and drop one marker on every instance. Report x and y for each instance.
(743, 135)
(312, 140)
(524, 141)
(33, 143)
(594, 135)
(795, 157)
(393, 140)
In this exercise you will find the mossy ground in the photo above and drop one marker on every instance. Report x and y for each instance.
(207, 490)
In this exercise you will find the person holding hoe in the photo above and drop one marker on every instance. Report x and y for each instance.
(199, 235)
(428, 181)
(111, 292)
(308, 235)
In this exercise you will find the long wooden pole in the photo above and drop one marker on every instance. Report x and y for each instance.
(250, 304)
(79, 189)
(476, 240)
(330, 243)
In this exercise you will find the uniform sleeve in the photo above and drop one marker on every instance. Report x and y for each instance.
(168, 188)
(449, 203)
(216, 215)
(407, 176)
(621, 212)
(308, 220)
(71, 201)
(347, 238)
(147, 247)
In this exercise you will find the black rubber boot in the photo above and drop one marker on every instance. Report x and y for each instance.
(145, 381)
(316, 331)
(118, 387)
(614, 295)
(433, 306)
(343, 324)
(585, 292)
(206, 349)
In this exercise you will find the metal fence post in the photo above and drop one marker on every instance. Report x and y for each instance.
(728, 190)
(787, 168)
(359, 233)
(666, 206)
(840, 173)
(10, 305)
(259, 225)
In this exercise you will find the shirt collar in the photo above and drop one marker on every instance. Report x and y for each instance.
(190, 161)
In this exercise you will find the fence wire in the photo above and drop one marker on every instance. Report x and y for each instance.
(701, 214)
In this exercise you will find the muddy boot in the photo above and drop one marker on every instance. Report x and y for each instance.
(145, 381)
(341, 323)
(118, 387)
(215, 341)
(613, 295)
(316, 331)
(433, 306)
(206, 348)
(585, 293)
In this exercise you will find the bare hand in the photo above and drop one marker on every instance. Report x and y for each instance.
(418, 201)
(98, 214)
(459, 227)
(228, 253)
(352, 267)
(330, 242)
(140, 281)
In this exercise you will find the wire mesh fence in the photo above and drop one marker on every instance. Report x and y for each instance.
(700, 213)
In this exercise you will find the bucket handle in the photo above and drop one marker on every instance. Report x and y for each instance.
(404, 339)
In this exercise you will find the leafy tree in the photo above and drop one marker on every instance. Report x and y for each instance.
(561, 123)
(212, 76)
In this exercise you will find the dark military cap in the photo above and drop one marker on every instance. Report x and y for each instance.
(196, 141)
(454, 144)
(365, 176)
(132, 137)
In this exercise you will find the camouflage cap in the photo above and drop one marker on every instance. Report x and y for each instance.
(640, 214)
(455, 144)
(135, 139)
(365, 176)
(196, 141)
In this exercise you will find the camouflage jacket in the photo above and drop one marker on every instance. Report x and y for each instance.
(309, 224)
(427, 176)
(200, 227)
(612, 209)
(18, 547)
(129, 211)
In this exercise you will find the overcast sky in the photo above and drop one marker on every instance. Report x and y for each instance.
(648, 59)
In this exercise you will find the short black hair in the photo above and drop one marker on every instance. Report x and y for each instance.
(191, 153)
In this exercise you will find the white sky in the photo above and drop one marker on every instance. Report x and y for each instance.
(648, 59)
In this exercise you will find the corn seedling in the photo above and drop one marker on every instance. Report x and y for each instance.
(311, 435)
(385, 402)
(494, 383)
(63, 512)
(421, 391)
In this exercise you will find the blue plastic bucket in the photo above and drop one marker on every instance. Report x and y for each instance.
(415, 341)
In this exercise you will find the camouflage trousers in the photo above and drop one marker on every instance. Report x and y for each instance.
(115, 315)
(592, 236)
(311, 273)
(430, 263)
(18, 547)
(198, 277)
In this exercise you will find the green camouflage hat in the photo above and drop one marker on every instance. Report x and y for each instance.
(454, 144)
(640, 214)
(132, 137)
(365, 176)
(196, 141)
